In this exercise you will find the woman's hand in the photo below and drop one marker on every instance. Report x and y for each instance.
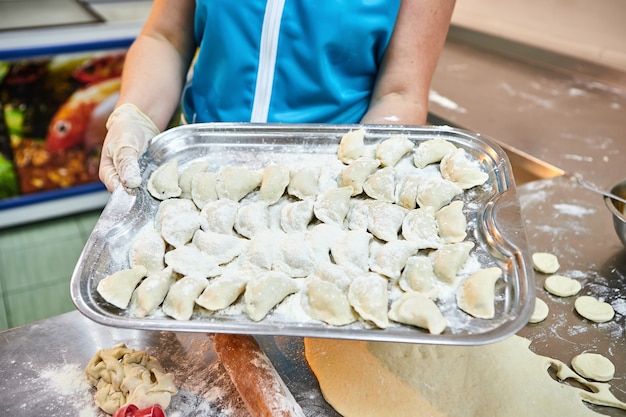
(129, 131)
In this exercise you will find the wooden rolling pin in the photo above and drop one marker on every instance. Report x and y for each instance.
(263, 391)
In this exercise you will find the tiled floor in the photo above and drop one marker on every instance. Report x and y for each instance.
(36, 263)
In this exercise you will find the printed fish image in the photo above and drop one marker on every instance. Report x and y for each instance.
(80, 121)
(100, 68)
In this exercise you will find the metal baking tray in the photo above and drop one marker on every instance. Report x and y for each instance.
(493, 212)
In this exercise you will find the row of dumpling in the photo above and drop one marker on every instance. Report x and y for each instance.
(339, 275)
(371, 176)
(222, 264)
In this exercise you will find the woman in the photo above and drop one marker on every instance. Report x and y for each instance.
(290, 61)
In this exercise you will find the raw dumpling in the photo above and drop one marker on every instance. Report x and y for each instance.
(234, 183)
(274, 181)
(322, 237)
(431, 151)
(351, 249)
(458, 168)
(304, 182)
(416, 309)
(117, 288)
(384, 220)
(189, 260)
(203, 188)
(476, 296)
(406, 191)
(451, 222)
(151, 292)
(325, 301)
(436, 192)
(147, 249)
(356, 219)
(263, 249)
(368, 296)
(178, 227)
(219, 216)
(418, 275)
(296, 216)
(221, 247)
(163, 182)
(186, 178)
(251, 219)
(341, 276)
(181, 298)
(351, 146)
(449, 259)
(294, 257)
(390, 258)
(331, 207)
(355, 174)
(419, 226)
(392, 149)
(223, 290)
(264, 292)
(170, 207)
(381, 185)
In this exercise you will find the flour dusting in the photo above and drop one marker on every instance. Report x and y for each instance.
(573, 210)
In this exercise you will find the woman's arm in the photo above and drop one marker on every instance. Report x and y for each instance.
(401, 92)
(157, 62)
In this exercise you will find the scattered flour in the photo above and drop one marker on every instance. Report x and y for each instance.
(573, 210)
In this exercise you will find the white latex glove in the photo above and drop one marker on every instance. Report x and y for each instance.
(128, 133)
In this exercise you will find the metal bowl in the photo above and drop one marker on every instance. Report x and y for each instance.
(618, 210)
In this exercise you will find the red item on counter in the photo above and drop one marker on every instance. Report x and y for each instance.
(131, 410)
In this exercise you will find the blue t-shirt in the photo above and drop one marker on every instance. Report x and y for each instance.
(288, 61)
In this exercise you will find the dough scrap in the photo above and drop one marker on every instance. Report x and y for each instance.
(593, 309)
(434, 380)
(540, 313)
(593, 366)
(545, 262)
(561, 286)
(127, 376)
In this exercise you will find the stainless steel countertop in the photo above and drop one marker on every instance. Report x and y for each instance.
(566, 113)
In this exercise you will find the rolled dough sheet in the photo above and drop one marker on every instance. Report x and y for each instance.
(364, 379)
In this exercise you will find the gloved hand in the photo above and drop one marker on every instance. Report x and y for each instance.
(128, 133)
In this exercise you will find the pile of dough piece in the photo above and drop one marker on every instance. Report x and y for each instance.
(375, 243)
(126, 376)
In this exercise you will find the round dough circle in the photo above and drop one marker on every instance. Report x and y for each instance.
(594, 309)
(545, 262)
(540, 313)
(561, 286)
(593, 366)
